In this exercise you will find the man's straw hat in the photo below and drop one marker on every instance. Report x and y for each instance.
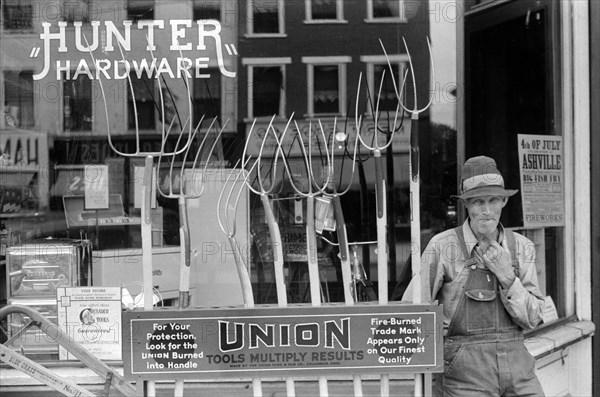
(480, 177)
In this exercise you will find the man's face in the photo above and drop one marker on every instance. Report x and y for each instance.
(485, 213)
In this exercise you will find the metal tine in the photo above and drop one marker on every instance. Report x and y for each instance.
(358, 120)
(331, 171)
(225, 224)
(242, 268)
(225, 213)
(137, 153)
(307, 162)
(273, 170)
(416, 110)
(182, 192)
(170, 193)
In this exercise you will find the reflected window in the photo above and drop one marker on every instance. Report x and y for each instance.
(326, 84)
(207, 96)
(267, 90)
(266, 86)
(207, 9)
(75, 10)
(265, 17)
(18, 14)
(18, 99)
(140, 10)
(385, 10)
(143, 99)
(324, 10)
(77, 103)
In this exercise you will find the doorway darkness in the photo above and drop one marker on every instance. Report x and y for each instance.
(508, 88)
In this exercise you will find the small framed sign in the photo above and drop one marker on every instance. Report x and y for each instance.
(91, 316)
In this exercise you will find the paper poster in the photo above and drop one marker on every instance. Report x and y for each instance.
(96, 187)
(542, 180)
(91, 316)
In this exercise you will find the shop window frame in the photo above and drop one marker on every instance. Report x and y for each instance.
(250, 20)
(341, 62)
(252, 63)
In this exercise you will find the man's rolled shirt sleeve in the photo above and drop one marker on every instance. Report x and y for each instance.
(523, 299)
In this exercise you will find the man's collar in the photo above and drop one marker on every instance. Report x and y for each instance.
(470, 239)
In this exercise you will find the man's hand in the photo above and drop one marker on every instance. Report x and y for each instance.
(498, 260)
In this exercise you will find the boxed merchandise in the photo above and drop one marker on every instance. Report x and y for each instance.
(36, 269)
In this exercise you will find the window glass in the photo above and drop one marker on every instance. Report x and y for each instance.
(18, 99)
(77, 104)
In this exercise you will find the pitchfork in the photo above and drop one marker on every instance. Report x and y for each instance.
(183, 193)
(311, 238)
(146, 222)
(226, 214)
(415, 220)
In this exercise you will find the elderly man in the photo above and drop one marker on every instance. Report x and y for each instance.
(485, 278)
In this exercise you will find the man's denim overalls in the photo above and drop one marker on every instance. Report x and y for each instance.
(484, 353)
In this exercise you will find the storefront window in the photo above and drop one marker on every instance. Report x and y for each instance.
(301, 63)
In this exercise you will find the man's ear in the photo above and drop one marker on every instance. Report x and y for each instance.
(504, 201)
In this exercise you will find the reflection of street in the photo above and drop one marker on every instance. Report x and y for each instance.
(398, 387)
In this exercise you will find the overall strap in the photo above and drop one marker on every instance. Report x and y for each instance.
(512, 247)
(461, 241)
